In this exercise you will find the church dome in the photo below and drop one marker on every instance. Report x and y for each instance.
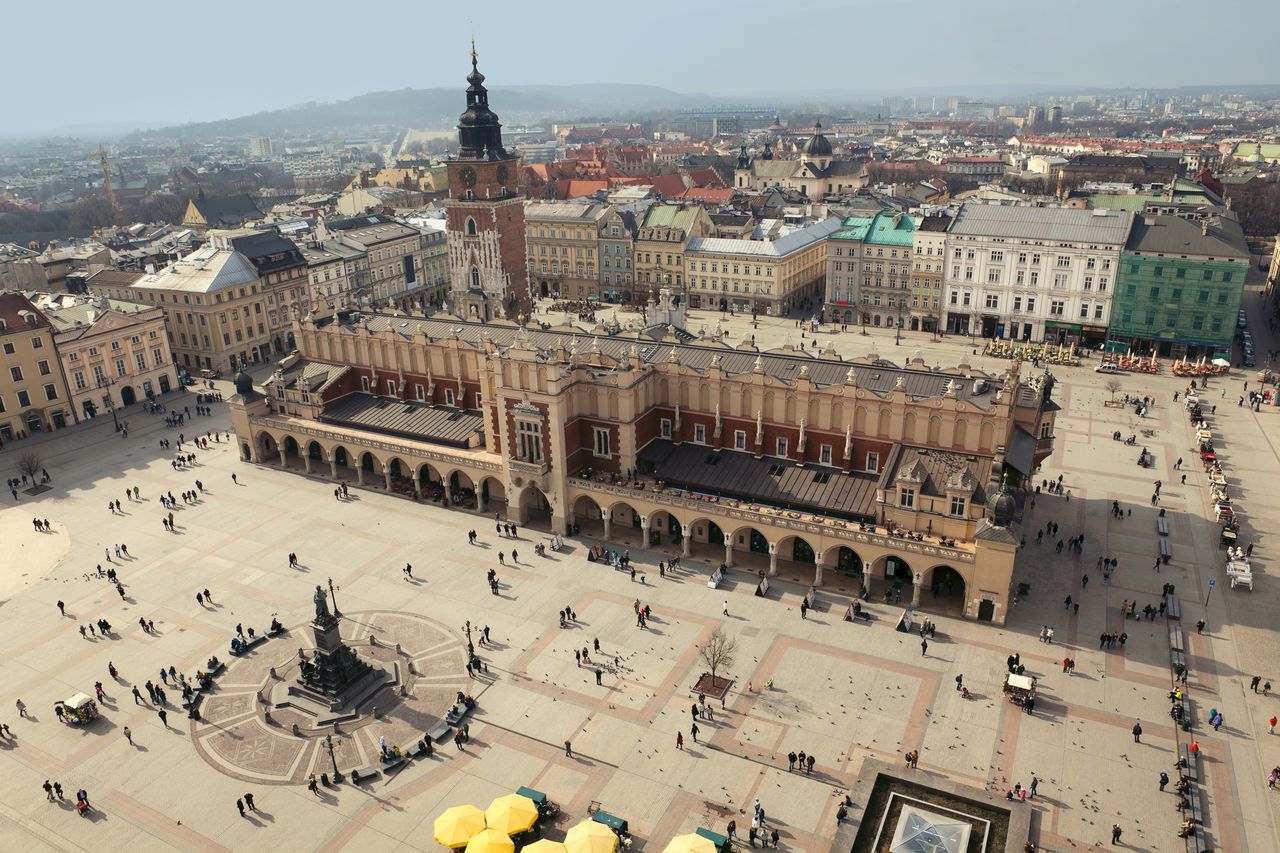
(1001, 508)
(244, 383)
(818, 145)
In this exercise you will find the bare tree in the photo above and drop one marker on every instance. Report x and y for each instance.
(719, 652)
(30, 464)
(1113, 385)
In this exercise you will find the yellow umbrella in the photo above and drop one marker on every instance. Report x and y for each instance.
(490, 841)
(511, 814)
(590, 837)
(544, 845)
(691, 843)
(455, 827)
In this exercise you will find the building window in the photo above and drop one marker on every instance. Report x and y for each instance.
(50, 392)
(906, 498)
(448, 396)
(664, 427)
(364, 384)
(699, 433)
(601, 436)
(993, 300)
(420, 393)
(24, 399)
(16, 373)
(873, 462)
(79, 378)
(958, 505)
(8, 349)
(471, 227)
(782, 447)
(739, 439)
(824, 454)
(44, 367)
(529, 435)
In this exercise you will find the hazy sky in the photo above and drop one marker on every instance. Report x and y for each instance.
(143, 61)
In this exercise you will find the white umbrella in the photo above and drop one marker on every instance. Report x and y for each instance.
(1221, 362)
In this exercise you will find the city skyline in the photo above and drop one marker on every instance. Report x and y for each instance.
(160, 84)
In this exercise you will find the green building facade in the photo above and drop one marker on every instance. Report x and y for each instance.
(1179, 287)
(1179, 306)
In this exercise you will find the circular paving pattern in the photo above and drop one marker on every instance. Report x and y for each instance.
(238, 736)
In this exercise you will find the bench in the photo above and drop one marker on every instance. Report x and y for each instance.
(1191, 760)
(1162, 526)
(363, 775)
(196, 693)
(217, 670)
(1166, 552)
(246, 645)
(1178, 661)
(1176, 640)
(1195, 841)
(1172, 610)
(439, 731)
(1188, 714)
(419, 749)
(393, 762)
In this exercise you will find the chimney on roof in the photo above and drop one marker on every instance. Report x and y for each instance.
(1204, 226)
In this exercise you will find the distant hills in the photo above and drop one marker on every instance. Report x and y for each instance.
(439, 108)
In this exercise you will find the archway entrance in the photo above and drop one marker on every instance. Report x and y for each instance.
(128, 396)
(664, 528)
(706, 541)
(586, 517)
(946, 591)
(894, 580)
(986, 610)
(848, 562)
(493, 495)
(268, 450)
(750, 549)
(401, 479)
(462, 490)
(796, 560)
(535, 509)
(314, 452)
(624, 524)
(430, 483)
(292, 452)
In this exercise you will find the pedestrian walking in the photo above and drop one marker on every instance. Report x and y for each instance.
(128, 735)
(248, 801)
(959, 682)
(726, 607)
(924, 647)
(1115, 833)
(239, 803)
(1137, 733)
(1254, 682)
(1164, 779)
(679, 740)
(164, 717)
(22, 708)
(568, 749)
(693, 732)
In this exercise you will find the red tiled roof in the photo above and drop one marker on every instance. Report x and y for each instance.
(12, 306)
(705, 178)
(669, 185)
(707, 195)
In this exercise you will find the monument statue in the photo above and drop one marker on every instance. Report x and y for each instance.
(321, 598)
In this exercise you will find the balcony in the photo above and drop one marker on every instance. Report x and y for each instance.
(530, 469)
(757, 514)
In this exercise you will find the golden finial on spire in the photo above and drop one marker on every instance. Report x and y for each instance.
(474, 55)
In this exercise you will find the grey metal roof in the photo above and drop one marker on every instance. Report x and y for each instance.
(939, 466)
(796, 240)
(880, 376)
(780, 482)
(311, 376)
(406, 418)
(1053, 224)
(1217, 237)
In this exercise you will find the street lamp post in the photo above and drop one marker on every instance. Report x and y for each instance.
(107, 401)
(337, 776)
(334, 597)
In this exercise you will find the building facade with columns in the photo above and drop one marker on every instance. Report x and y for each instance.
(777, 463)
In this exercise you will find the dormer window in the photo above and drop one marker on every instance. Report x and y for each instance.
(906, 497)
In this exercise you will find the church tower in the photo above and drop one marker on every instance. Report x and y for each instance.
(485, 216)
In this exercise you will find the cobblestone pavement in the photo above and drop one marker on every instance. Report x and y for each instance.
(842, 692)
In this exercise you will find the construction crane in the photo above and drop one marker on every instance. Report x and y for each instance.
(101, 154)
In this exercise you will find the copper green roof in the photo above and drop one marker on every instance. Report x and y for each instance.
(893, 229)
(854, 228)
(671, 216)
